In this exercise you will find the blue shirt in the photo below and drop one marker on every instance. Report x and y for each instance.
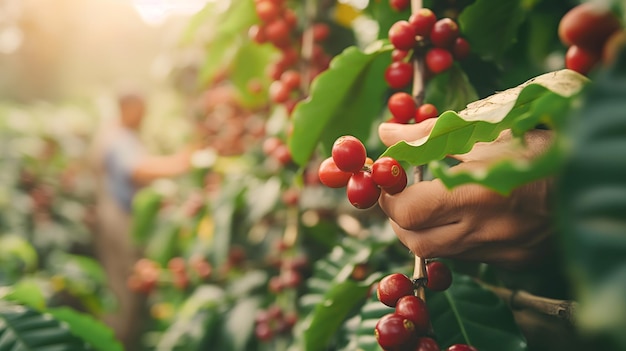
(120, 159)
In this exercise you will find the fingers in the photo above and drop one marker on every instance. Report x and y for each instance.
(391, 133)
(422, 205)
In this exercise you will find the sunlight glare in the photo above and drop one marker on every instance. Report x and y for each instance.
(155, 12)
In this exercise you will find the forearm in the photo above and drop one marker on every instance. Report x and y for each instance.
(151, 168)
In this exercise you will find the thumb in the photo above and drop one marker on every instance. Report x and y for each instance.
(391, 133)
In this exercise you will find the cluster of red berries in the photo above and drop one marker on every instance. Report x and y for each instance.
(276, 149)
(438, 39)
(273, 322)
(408, 327)
(592, 33)
(278, 27)
(404, 109)
(290, 274)
(363, 178)
(146, 275)
(177, 266)
(439, 43)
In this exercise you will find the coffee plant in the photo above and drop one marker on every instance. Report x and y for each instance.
(275, 241)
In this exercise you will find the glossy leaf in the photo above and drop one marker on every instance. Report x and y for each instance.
(469, 314)
(146, 204)
(190, 324)
(543, 99)
(26, 292)
(491, 26)
(94, 332)
(592, 205)
(332, 293)
(371, 312)
(345, 99)
(450, 90)
(331, 312)
(238, 325)
(22, 328)
(15, 247)
(251, 62)
(229, 34)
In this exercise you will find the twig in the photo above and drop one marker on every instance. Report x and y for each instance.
(419, 270)
(520, 299)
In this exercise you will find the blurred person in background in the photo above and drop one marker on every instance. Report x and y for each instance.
(123, 165)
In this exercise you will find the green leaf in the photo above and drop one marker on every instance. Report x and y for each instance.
(146, 205)
(466, 313)
(194, 316)
(508, 174)
(251, 62)
(96, 334)
(229, 34)
(450, 90)
(592, 203)
(345, 99)
(544, 99)
(83, 278)
(331, 312)
(15, 247)
(163, 243)
(22, 328)
(238, 326)
(332, 294)
(27, 292)
(370, 314)
(224, 214)
(491, 26)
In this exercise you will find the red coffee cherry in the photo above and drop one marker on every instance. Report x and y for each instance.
(393, 287)
(399, 5)
(461, 49)
(291, 79)
(400, 185)
(277, 32)
(438, 60)
(402, 35)
(257, 34)
(399, 74)
(461, 347)
(580, 60)
(423, 22)
(349, 153)
(439, 276)
(588, 26)
(263, 332)
(402, 107)
(331, 176)
(425, 112)
(279, 92)
(394, 332)
(386, 172)
(321, 31)
(282, 154)
(444, 33)
(426, 344)
(361, 190)
(399, 55)
(267, 10)
(414, 309)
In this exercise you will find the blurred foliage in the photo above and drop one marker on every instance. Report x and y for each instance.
(251, 240)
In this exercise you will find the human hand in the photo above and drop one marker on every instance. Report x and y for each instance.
(471, 222)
